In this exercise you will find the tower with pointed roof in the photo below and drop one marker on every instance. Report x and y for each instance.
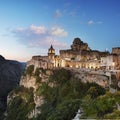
(51, 53)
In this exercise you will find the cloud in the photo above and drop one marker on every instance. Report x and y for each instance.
(58, 32)
(57, 14)
(40, 36)
(90, 22)
(38, 29)
(41, 30)
(45, 42)
(49, 40)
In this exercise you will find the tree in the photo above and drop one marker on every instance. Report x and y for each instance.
(93, 92)
(30, 70)
(37, 72)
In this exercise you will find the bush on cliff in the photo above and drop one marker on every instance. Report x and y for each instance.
(21, 105)
(30, 70)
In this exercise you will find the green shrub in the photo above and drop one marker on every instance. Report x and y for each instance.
(65, 110)
(30, 70)
(37, 72)
(60, 76)
(43, 70)
(38, 79)
(21, 104)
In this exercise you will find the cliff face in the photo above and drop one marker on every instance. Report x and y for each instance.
(10, 73)
(36, 80)
(30, 83)
(50, 94)
(85, 76)
(37, 84)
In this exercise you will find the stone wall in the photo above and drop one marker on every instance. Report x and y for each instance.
(116, 50)
(91, 76)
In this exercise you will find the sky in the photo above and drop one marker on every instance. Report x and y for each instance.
(29, 27)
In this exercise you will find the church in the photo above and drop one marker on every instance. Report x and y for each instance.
(46, 62)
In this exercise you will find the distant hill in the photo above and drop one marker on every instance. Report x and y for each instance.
(10, 74)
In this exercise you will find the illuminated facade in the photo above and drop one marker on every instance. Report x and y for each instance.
(46, 62)
(79, 56)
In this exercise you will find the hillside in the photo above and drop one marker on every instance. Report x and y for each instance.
(10, 73)
(58, 94)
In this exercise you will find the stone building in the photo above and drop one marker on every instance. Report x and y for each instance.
(112, 61)
(79, 56)
(79, 45)
(116, 50)
(45, 62)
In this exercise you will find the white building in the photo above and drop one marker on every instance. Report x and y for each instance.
(110, 62)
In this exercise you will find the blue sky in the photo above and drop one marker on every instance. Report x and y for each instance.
(29, 27)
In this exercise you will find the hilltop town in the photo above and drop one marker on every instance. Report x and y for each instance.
(80, 74)
(79, 56)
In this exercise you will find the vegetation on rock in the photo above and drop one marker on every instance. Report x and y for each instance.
(21, 104)
(63, 95)
(30, 70)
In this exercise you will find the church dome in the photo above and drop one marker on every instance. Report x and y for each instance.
(77, 41)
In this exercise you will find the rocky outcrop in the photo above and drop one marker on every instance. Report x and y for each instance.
(98, 77)
(85, 76)
(30, 81)
(10, 74)
(37, 86)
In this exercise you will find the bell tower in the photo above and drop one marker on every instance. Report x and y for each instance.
(51, 53)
